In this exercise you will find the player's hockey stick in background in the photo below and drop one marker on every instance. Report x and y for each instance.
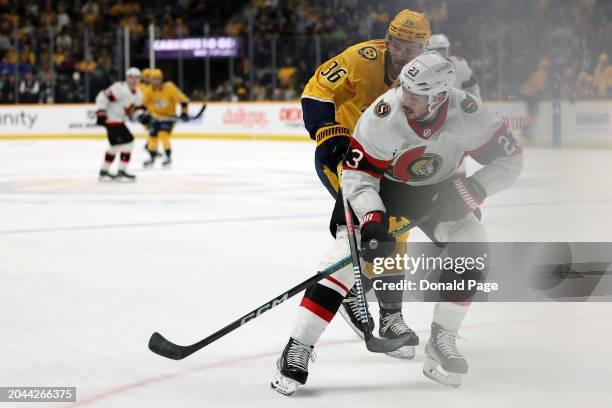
(199, 114)
(159, 345)
(178, 118)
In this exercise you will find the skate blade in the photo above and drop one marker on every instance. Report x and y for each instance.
(404, 353)
(433, 371)
(347, 319)
(125, 180)
(284, 385)
(106, 179)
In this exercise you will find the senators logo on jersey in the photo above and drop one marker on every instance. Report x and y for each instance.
(416, 165)
(382, 109)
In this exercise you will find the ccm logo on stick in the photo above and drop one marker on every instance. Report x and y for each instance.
(264, 308)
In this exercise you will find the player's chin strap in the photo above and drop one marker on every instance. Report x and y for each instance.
(431, 101)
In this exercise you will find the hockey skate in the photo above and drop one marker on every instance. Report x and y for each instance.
(149, 163)
(444, 363)
(105, 175)
(393, 326)
(292, 367)
(123, 176)
(349, 310)
(167, 163)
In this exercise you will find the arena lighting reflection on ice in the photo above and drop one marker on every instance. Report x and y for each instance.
(196, 47)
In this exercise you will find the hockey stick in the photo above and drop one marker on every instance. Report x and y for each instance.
(373, 343)
(199, 114)
(165, 348)
(178, 118)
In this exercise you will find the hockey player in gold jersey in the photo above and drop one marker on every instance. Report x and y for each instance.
(161, 99)
(332, 102)
(145, 80)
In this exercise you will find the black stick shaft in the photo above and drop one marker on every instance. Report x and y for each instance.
(159, 345)
(352, 237)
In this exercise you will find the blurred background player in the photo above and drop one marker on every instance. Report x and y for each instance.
(145, 82)
(465, 78)
(534, 90)
(464, 75)
(332, 102)
(161, 98)
(115, 104)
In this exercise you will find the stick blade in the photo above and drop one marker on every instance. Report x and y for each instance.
(377, 345)
(165, 348)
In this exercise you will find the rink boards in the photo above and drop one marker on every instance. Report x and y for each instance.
(581, 124)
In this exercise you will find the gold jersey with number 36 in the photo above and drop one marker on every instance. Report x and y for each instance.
(351, 80)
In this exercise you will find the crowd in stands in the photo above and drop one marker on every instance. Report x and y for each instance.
(67, 50)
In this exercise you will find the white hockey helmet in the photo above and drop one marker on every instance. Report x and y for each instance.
(437, 41)
(133, 71)
(428, 74)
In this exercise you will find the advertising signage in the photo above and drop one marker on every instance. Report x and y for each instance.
(196, 47)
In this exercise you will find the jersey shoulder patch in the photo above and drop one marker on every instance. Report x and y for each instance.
(368, 52)
(382, 109)
(469, 104)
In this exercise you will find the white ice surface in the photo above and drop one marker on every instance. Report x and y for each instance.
(89, 270)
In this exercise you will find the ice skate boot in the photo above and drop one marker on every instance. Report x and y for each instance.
(393, 326)
(349, 310)
(123, 176)
(292, 367)
(167, 163)
(149, 163)
(444, 363)
(105, 175)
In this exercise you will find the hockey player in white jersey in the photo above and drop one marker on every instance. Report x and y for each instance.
(401, 162)
(116, 104)
(464, 75)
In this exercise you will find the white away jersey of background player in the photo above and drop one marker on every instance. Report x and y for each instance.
(119, 102)
(464, 76)
(385, 143)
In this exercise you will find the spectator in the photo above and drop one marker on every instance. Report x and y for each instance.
(63, 20)
(286, 76)
(584, 86)
(29, 89)
(602, 79)
(535, 89)
(7, 90)
(90, 12)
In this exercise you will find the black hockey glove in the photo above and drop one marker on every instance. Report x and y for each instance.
(101, 117)
(145, 119)
(462, 197)
(376, 242)
(332, 144)
(184, 112)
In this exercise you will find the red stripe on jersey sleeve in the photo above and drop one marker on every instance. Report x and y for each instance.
(109, 94)
(317, 309)
(371, 173)
(380, 164)
(494, 142)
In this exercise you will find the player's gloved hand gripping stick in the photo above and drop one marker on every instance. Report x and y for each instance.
(159, 345)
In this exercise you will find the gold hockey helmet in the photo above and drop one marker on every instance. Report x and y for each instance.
(410, 26)
(156, 73)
